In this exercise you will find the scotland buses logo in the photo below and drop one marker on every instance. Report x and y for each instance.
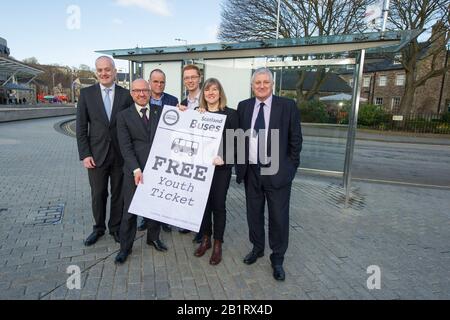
(171, 117)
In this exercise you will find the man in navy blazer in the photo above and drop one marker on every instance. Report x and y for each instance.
(98, 146)
(157, 85)
(262, 115)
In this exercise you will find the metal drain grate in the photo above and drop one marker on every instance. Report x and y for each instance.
(332, 194)
(336, 196)
(47, 215)
(3, 209)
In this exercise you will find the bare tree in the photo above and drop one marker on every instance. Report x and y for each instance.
(31, 60)
(429, 55)
(257, 19)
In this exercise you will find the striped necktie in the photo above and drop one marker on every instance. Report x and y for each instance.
(107, 103)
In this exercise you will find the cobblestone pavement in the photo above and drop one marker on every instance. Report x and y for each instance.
(403, 230)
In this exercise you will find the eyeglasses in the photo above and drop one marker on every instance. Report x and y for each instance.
(140, 90)
(191, 78)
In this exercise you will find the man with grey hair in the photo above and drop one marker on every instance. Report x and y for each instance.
(264, 114)
(98, 147)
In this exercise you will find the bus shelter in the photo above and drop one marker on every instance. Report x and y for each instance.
(15, 75)
(321, 58)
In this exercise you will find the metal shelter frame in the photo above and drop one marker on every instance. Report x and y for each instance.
(15, 69)
(358, 44)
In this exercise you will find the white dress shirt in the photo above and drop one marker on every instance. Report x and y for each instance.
(111, 93)
(253, 143)
(194, 103)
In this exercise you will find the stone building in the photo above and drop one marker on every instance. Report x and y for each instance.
(384, 82)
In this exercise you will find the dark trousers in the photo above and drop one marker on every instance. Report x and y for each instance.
(110, 171)
(215, 207)
(128, 227)
(257, 189)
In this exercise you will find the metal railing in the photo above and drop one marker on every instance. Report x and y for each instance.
(417, 123)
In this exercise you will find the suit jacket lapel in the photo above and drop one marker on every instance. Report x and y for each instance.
(274, 121)
(135, 117)
(100, 104)
(115, 107)
(154, 119)
(249, 114)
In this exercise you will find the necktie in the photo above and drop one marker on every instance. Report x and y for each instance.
(107, 103)
(260, 124)
(144, 116)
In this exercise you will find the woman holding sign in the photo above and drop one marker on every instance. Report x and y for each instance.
(213, 99)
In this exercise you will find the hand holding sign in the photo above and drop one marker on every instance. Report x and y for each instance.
(180, 168)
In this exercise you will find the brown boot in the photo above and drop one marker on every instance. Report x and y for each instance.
(217, 253)
(204, 246)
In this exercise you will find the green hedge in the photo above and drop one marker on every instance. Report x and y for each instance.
(369, 115)
(314, 111)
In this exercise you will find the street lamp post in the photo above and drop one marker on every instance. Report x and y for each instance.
(278, 20)
(385, 15)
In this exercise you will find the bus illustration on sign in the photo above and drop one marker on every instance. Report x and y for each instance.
(185, 146)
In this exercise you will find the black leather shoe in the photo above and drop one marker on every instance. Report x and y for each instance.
(252, 257)
(116, 236)
(278, 273)
(158, 244)
(166, 228)
(142, 226)
(93, 237)
(122, 257)
(184, 231)
(198, 238)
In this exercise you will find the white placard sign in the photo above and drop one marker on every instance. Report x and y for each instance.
(179, 169)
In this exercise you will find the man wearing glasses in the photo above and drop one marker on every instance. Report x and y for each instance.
(159, 98)
(136, 128)
(192, 79)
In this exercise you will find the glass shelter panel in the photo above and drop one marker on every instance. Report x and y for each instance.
(321, 90)
(172, 69)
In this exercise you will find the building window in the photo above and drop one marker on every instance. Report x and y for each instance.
(395, 104)
(397, 59)
(379, 101)
(400, 80)
(382, 81)
(366, 82)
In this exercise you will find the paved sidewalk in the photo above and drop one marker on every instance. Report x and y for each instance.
(403, 230)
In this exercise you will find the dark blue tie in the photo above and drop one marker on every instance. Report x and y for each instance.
(260, 123)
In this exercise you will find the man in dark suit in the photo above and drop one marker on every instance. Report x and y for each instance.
(159, 98)
(136, 128)
(262, 115)
(98, 147)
